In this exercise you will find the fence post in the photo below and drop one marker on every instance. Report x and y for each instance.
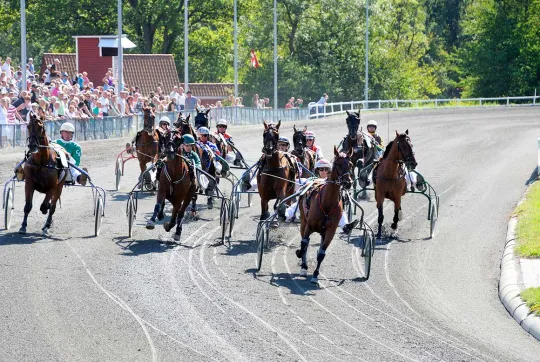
(379, 104)
(341, 106)
(436, 103)
(397, 104)
(507, 101)
(480, 101)
(332, 107)
(538, 167)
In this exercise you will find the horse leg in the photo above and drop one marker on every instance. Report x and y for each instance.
(302, 252)
(150, 224)
(326, 239)
(29, 195)
(161, 214)
(52, 209)
(264, 209)
(380, 220)
(398, 214)
(180, 217)
(194, 205)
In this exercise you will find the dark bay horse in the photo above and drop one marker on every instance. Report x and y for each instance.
(147, 141)
(276, 179)
(201, 120)
(389, 177)
(42, 174)
(321, 208)
(306, 156)
(176, 184)
(363, 151)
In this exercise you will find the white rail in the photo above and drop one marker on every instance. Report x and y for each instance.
(319, 110)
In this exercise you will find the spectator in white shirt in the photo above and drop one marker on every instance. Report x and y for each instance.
(7, 68)
(181, 101)
(105, 103)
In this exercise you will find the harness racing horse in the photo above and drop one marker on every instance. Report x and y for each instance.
(276, 178)
(389, 177)
(320, 210)
(363, 151)
(176, 184)
(147, 142)
(306, 156)
(42, 173)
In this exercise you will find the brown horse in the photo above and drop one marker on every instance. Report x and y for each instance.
(176, 184)
(147, 142)
(321, 208)
(277, 175)
(42, 174)
(306, 156)
(389, 177)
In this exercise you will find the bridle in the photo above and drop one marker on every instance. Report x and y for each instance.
(149, 122)
(339, 170)
(353, 130)
(269, 138)
(409, 159)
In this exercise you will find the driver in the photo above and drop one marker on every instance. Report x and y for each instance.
(372, 130)
(283, 144)
(310, 143)
(74, 149)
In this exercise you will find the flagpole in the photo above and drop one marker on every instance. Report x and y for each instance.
(23, 46)
(186, 65)
(235, 49)
(367, 56)
(275, 61)
(120, 51)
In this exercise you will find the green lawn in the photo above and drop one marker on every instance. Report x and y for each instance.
(532, 297)
(528, 227)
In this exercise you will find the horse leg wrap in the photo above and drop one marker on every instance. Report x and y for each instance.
(157, 208)
(303, 252)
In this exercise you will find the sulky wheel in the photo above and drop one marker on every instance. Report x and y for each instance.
(432, 220)
(130, 214)
(223, 219)
(262, 242)
(98, 215)
(232, 217)
(118, 173)
(367, 252)
(8, 208)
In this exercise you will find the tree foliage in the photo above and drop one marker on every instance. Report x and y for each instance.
(417, 48)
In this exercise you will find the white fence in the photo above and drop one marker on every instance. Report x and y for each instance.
(329, 109)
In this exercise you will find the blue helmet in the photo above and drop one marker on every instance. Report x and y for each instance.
(203, 130)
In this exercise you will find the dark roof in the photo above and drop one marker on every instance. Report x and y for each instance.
(67, 60)
(148, 70)
(214, 90)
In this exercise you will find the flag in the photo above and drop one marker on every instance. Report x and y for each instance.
(254, 60)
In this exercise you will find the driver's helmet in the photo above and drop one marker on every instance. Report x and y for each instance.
(372, 122)
(284, 140)
(165, 120)
(188, 139)
(203, 130)
(322, 163)
(222, 122)
(69, 127)
(309, 135)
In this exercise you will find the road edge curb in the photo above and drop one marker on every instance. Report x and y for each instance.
(509, 286)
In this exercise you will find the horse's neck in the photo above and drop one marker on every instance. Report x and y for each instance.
(43, 156)
(330, 195)
(391, 163)
(274, 161)
(354, 142)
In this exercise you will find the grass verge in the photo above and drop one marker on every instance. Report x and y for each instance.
(531, 296)
(528, 226)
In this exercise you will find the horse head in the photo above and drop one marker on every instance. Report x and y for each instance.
(173, 145)
(341, 169)
(405, 149)
(353, 123)
(36, 133)
(201, 119)
(270, 138)
(149, 121)
(184, 126)
(299, 139)
(179, 120)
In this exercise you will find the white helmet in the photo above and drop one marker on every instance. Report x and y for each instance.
(372, 122)
(309, 135)
(165, 119)
(69, 127)
(322, 163)
(222, 122)
(204, 130)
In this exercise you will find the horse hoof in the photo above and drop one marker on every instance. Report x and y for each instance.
(150, 225)
(45, 232)
(315, 280)
(400, 215)
(160, 216)
(274, 224)
(176, 237)
(303, 272)
(22, 230)
(394, 226)
(166, 226)
(298, 253)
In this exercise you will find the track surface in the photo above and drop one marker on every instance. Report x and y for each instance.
(79, 298)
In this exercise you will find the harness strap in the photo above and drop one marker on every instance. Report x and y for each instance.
(171, 182)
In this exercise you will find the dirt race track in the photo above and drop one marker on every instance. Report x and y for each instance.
(75, 297)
